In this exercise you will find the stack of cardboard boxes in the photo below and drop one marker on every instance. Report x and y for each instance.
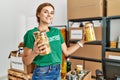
(85, 9)
(92, 8)
(113, 8)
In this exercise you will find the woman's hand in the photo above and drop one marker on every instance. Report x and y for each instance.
(39, 48)
(83, 38)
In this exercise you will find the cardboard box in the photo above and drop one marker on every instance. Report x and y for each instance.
(16, 63)
(76, 33)
(93, 66)
(113, 7)
(98, 33)
(75, 62)
(113, 55)
(87, 77)
(77, 9)
(89, 51)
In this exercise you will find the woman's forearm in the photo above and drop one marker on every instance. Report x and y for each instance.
(69, 50)
(72, 49)
(28, 57)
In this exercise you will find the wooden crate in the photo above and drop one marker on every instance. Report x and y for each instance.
(15, 75)
(11, 77)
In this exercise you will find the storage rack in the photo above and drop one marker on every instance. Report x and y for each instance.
(106, 43)
(103, 19)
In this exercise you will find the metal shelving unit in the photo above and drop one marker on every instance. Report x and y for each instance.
(93, 42)
(105, 42)
(106, 47)
(102, 43)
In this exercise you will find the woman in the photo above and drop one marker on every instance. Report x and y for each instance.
(47, 66)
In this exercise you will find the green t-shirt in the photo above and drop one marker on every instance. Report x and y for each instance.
(55, 41)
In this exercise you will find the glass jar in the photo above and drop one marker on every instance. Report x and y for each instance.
(43, 39)
(89, 32)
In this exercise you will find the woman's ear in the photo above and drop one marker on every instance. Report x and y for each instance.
(38, 15)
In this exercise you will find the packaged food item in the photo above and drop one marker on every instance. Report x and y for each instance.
(113, 44)
(68, 65)
(43, 39)
(89, 32)
(63, 67)
(79, 68)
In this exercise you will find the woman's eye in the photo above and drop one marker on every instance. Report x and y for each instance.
(45, 11)
(52, 13)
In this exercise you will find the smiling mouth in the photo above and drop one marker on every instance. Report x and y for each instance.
(49, 19)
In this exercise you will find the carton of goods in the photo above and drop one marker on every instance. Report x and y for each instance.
(17, 64)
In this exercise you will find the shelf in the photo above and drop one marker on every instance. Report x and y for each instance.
(86, 19)
(98, 42)
(94, 43)
(112, 60)
(113, 49)
(113, 17)
(105, 42)
(83, 58)
(90, 43)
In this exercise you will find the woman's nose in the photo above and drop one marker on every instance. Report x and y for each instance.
(49, 15)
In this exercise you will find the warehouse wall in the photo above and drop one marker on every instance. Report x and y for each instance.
(17, 16)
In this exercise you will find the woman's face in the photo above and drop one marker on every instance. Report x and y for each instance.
(46, 15)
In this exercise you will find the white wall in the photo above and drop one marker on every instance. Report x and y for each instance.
(17, 16)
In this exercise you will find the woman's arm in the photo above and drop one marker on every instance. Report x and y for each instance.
(69, 50)
(28, 56)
